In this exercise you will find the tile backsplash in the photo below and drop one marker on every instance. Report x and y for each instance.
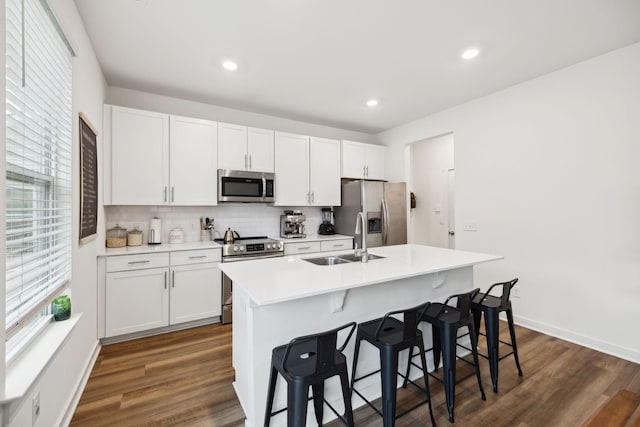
(247, 219)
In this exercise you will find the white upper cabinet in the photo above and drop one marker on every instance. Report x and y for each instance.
(324, 172)
(260, 150)
(139, 157)
(193, 162)
(242, 148)
(157, 159)
(362, 161)
(307, 171)
(292, 169)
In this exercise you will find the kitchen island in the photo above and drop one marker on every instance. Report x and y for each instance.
(278, 299)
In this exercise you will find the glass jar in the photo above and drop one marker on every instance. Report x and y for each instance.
(134, 237)
(116, 237)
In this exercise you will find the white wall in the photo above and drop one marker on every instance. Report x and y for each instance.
(60, 381)
(431, 160)
(164, 104)
(549, 170)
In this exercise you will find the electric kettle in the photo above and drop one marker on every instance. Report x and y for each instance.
(230, 236)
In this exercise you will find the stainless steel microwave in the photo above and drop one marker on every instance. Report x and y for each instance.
(244, 186)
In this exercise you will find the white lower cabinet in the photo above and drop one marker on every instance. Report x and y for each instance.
(186, 288)
(136, 300)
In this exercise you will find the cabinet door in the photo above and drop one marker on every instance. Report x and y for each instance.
(324, 172)
(196, 292)
(260, 150)
(139, 157)
(232, 147)
(374, 161)
(136, 301)
(291, 169)
(352, 159)
(193, 162)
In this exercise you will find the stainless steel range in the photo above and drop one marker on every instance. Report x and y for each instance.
(244, 249)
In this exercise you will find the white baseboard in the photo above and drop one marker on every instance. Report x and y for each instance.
(583, 340)
(66, 417)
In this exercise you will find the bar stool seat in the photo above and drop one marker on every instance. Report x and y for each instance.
(391, 336)
(492, 306)
(445, 321)
(307, 362)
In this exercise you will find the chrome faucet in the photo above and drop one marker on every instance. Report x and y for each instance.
(361, 228)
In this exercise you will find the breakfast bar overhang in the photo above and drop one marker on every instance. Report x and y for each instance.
(278, 299)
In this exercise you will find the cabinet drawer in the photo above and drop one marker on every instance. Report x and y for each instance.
(301, 248)
(336, 245)
(196, 256)
(137, 262)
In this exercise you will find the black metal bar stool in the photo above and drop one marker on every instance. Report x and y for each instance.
(445, 321)
(491, 306)
(309, 361)
(390, 336)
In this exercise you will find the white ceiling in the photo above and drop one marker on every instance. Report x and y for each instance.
(320, 60)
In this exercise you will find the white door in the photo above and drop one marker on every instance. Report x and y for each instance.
(291, 169)
(324, 171)
(139, 157)
(196, 292)
(352, 159)
(451, 208)
(260, 150)
(193, 162)
(136, 301)
(374, 161)
(232, 147)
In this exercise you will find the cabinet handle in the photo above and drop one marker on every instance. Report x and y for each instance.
(313, 197)
(304, 248)
(172, 194)
(338, 246)
(197, 257)
(173, 279)
(250, 162)
(245, 162)
(165, 280)
(138, 262)
(165, 193)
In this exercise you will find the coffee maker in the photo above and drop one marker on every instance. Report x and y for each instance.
(327, 226)
(292, 224)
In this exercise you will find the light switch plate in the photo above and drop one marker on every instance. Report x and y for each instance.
(470, 226)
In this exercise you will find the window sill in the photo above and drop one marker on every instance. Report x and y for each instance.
(23, 372)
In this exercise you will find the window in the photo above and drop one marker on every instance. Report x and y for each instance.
(38, 163)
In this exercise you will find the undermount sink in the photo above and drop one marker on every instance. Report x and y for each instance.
(355, 258)
(327, 260)
(342, 259)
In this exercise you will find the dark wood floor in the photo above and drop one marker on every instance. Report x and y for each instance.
(184, 378)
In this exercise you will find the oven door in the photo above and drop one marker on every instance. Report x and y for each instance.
(243, 186)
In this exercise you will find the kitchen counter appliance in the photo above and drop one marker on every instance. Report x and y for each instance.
(384, 205)
(327, 227)
(244, 249)
(292, 224)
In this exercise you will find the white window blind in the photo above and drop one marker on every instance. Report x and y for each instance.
(38, 160)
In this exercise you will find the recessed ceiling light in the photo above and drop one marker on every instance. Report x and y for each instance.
(230, 65)
(372, 102)
(470, 53)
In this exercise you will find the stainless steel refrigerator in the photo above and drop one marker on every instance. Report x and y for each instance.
(385, 207)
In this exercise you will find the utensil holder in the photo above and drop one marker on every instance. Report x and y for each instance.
(206, 235)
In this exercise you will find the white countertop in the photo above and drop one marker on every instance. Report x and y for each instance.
(274, 280)
(316, 238)
(163, 247)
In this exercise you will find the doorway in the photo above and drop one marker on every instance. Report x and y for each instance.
(432, 181)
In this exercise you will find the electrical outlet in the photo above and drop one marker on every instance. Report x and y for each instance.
(35, 408)
(516, 291)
